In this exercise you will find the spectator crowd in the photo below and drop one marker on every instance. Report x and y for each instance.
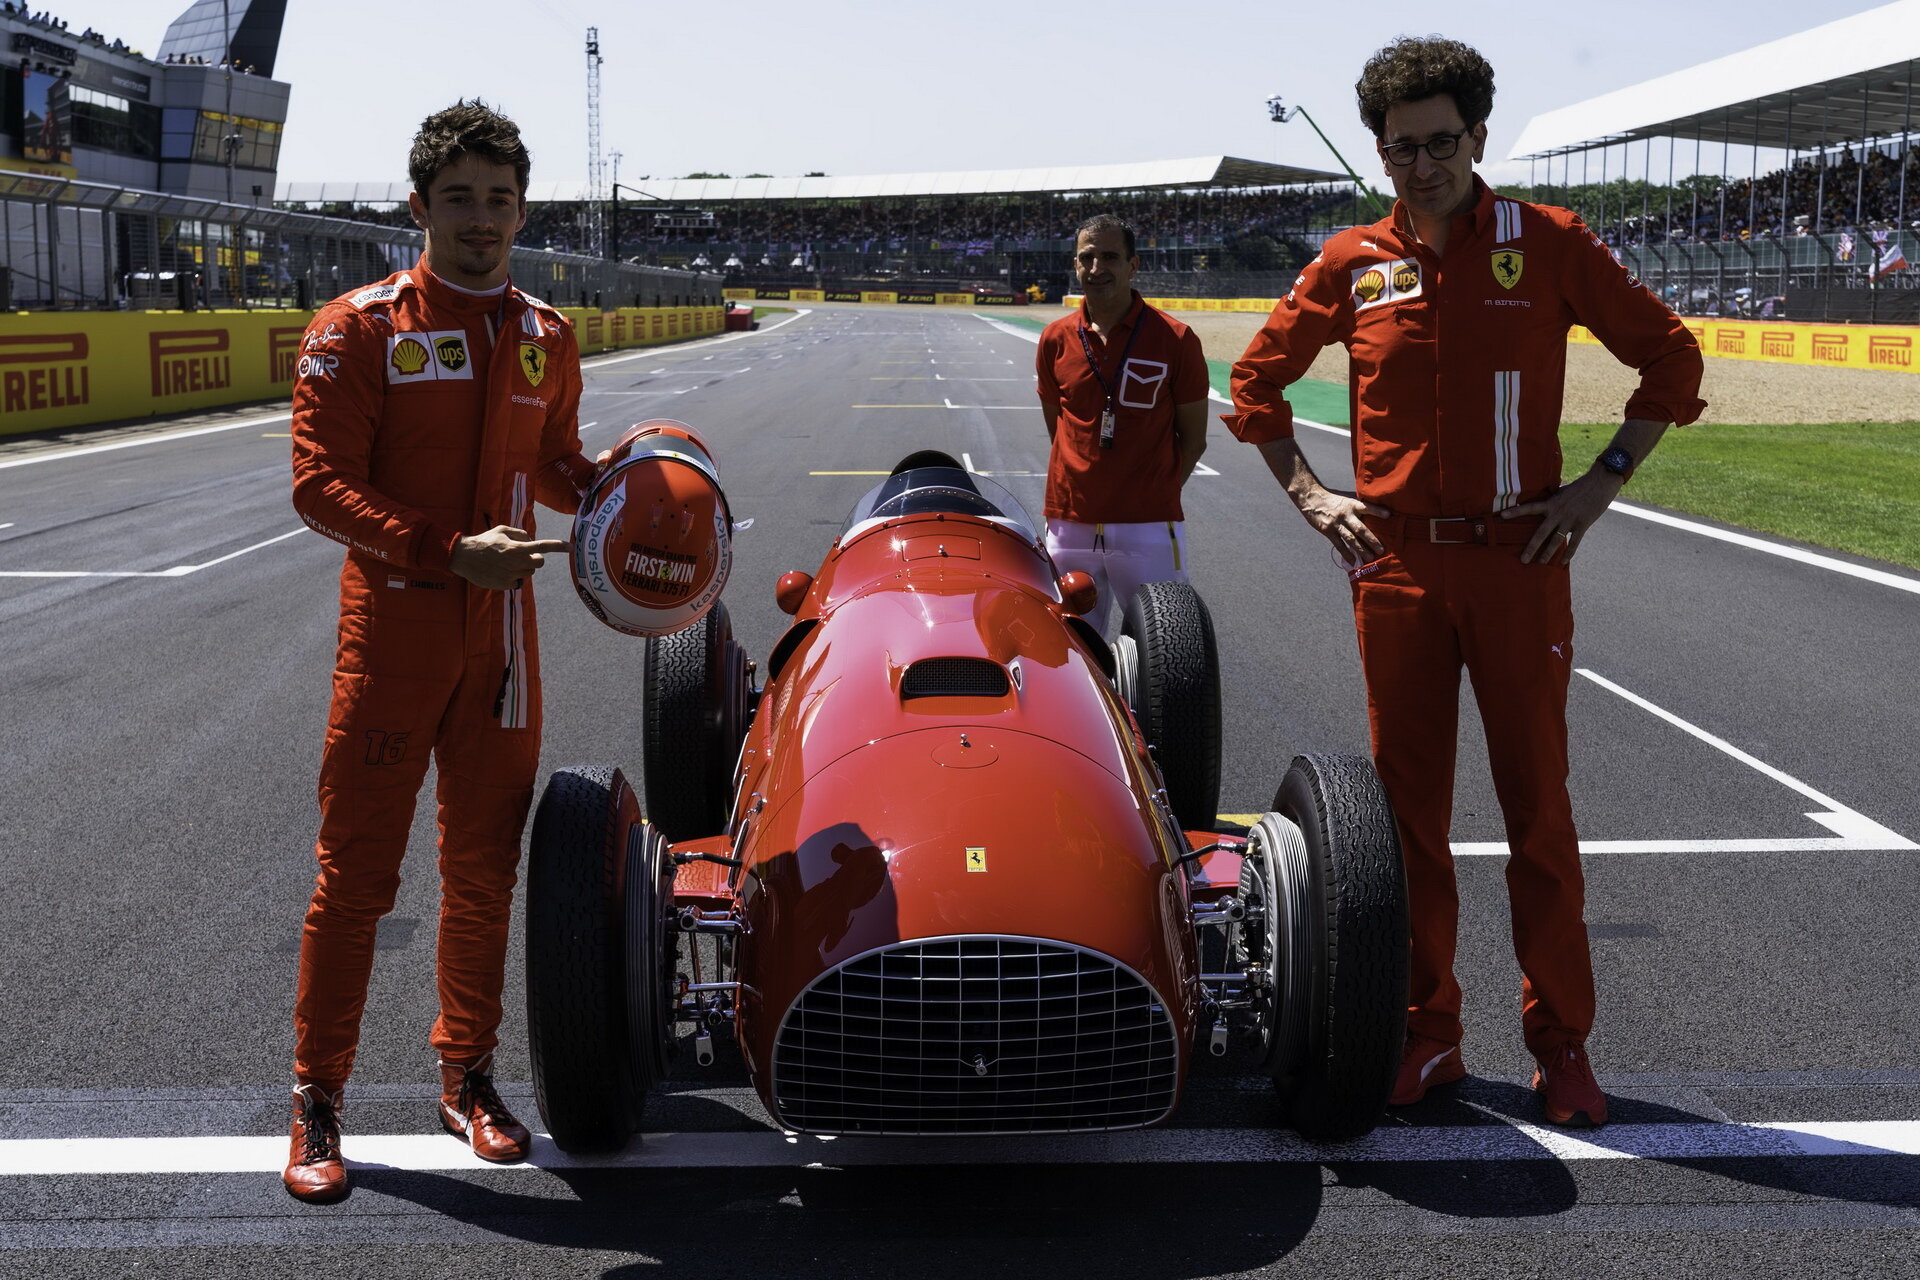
(1827, 193)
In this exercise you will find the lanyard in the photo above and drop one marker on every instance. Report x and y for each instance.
(1113, 391)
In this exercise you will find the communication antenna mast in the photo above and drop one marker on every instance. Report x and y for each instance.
(596, 190)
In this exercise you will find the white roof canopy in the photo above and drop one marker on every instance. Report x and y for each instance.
(1848, 80)
(1202, 171)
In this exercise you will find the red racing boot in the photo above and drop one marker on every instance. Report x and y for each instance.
(1568, 1092)
(471, 1111)
(315, 1171)
(1425, 1064)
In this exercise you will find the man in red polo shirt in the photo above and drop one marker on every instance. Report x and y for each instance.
(1454, 312)
(1124, 390)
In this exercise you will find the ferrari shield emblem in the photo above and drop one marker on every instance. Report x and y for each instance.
(976, 859)
(1507, 266)
(533, 359)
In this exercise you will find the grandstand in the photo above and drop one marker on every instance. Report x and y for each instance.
(1207, 225)
(1826, 227)
(137, 182)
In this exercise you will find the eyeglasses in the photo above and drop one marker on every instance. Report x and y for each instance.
(1441, 147)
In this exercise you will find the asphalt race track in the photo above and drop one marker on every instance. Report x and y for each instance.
(1745, 777)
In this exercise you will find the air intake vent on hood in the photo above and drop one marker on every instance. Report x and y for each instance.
(954, 678)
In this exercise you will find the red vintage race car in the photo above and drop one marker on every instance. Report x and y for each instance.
(953, 869)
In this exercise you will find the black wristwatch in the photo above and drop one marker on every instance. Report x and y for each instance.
(1617, 460)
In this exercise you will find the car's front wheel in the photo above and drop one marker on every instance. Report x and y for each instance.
(1324, 871)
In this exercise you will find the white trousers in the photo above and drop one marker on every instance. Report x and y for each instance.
(1119, 557)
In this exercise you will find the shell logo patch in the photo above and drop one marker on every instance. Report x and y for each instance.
(1385, 282)
(409, 358)
(976, 858)
(533, 362)
(425, 357)
(1507, 266)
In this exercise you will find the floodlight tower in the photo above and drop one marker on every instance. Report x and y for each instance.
(1279, 112)
(596, 193)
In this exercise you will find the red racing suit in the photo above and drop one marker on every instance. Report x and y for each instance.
(421, 414)
(1458, 366)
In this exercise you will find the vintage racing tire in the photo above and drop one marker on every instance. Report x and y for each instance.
(693, 718)
(1170, 678)
(1342, 889)
(583, 1077)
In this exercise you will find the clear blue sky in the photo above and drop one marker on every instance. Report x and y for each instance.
(850, 87)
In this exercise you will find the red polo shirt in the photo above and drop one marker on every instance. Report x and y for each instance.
(1138, 479)
(1459, 360)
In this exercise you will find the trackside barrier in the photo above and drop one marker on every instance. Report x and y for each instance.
(1836, 346)
(1895, 348)
(884, 297)
(73, 368)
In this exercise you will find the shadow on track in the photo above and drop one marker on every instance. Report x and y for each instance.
(1056, 1220)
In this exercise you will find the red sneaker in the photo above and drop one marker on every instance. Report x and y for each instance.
(1425, 1064)
(1568, 1092)
(471, 1111)
(315, 1172)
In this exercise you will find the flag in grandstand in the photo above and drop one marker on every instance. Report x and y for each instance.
(1892, 257)
(1843, 247)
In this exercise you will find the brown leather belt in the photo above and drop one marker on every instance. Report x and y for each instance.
(1457, 531)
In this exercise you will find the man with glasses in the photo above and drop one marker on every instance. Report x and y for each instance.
(1454, 311)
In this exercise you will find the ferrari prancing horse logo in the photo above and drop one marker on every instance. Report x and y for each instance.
(533, 359)
(1507, 266)
(976, 858)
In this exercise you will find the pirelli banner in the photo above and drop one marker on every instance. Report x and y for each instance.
(641, 326)
(1837, 346)
(918, 298)
(1259, 306)
(69, 369)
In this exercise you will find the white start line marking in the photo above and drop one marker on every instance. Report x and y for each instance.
(61, 1157)
(1852, 832)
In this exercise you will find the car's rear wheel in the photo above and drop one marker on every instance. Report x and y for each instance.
(1170, 676)
(1327, 877)
(584, 1076)
(694, 711)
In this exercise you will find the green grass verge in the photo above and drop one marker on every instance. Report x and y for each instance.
(1852, 486)
(771, 311)
(1320, 401)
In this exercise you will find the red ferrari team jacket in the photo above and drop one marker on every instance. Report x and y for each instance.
(1458, 360)
(422, 414)
(1136, 479)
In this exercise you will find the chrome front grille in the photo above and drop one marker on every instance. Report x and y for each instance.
(975, 1035)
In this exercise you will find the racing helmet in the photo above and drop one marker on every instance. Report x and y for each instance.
(653, 540)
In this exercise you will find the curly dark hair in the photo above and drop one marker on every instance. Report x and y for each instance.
(1106, 222)
(466, 129)
(1417, 67)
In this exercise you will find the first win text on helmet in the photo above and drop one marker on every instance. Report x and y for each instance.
(653, 540)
